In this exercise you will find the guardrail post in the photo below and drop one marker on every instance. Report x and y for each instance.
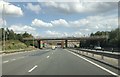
(86, 53)
(102, 57)
(79, 51)
(79, 44)
(92, 54)
(82, 52)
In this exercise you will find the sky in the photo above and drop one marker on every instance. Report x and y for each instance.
(59, 19)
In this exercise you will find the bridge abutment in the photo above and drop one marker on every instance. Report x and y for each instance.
(66, 43)
(39, 44)
(79, 44)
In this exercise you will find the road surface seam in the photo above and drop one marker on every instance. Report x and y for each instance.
(32, 68)
(103, 68)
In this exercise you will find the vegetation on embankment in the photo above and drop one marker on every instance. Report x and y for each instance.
(12, 46)
(13, 42)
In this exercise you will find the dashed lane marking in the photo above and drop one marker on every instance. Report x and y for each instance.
(48, 56)
(6, 61)
(32, 68)
(13, 59)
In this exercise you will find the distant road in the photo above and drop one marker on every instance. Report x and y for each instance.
(52, 62)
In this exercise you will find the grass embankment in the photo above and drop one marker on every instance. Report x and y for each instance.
(12, 46)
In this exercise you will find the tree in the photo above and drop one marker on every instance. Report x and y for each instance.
(19, 37)
(26, 35)
(11, 35)
(114, 37)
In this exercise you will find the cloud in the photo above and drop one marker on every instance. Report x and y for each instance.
(54, 23)
(60, 22)
(34, 8)
(10, 9)
(53, 33)
(90, 22)
(23, 28)
(81, 7)
(96, 22)
(41, 23)
(50, 33)
(101, 0)
(2, 22)
(101, 22)
(77, 34)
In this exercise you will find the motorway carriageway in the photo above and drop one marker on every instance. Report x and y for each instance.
(53, 62)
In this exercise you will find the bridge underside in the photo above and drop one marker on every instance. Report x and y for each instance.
(64, 42)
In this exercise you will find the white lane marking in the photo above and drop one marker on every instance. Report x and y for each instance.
(103, 68)
(13, 59)
(32, 68)
(48, 56)
(6, 61)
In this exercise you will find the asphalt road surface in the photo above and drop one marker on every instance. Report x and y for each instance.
(51, 62)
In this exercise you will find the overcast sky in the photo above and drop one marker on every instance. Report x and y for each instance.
(58, 19)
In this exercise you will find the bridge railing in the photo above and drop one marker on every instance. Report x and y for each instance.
(68, 38)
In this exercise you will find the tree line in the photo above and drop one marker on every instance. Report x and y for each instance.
(113, 37)
(113, 40)
(11, 35)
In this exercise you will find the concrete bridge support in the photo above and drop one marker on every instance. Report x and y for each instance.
(79, 44)
(66, 43)
(39, 44)
(44, 44)
(62, 44)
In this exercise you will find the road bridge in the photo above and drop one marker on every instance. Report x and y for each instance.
(65, 40)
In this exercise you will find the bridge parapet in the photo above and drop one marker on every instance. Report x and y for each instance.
(70, 38)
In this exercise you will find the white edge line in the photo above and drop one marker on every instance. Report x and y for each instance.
(103, 68)
(6, 61)
(32, 68)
